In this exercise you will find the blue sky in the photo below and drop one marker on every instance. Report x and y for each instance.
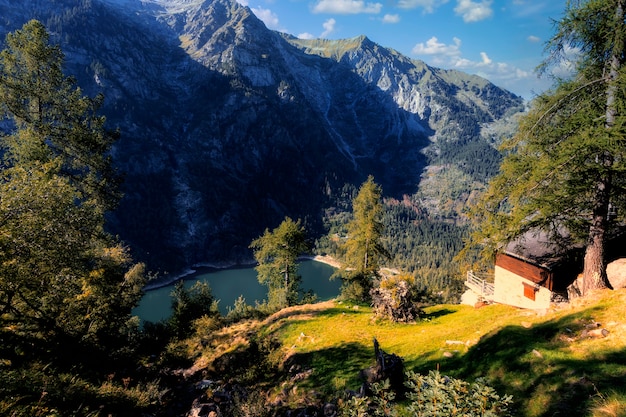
(501, 40)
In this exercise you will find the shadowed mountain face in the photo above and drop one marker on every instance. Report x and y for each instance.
(227, 127)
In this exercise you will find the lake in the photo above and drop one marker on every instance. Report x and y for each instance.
(228, 284)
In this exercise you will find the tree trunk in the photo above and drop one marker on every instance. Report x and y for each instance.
(594, 272)
(365, 260)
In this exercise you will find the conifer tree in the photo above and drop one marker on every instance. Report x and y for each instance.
(63, 278)
(564, 169)
(363, 246)
(276, 253)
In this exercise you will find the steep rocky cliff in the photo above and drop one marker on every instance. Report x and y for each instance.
(226, 126)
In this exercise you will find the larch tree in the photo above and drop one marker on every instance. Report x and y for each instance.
(563, 171)
(363, 246)
(276, 253)
(64, 281)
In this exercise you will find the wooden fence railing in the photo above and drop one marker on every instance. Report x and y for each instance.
(479, 285)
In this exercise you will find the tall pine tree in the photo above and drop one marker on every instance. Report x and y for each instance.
(276, 253)
(363, 246)
(564, 170)
(64, 281)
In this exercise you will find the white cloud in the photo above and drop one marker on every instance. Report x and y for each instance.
(429, 6)
(438, 49)
(329, 27)
(533, 38)
(391, 18)
(566, 67)
(306, 35)
(346, 7)
(502, 74)
(267, 16)
(472, 11)
(524, 9)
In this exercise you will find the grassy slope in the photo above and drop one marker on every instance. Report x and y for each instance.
(542, 359)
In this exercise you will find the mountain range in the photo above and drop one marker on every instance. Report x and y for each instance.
(227, 127)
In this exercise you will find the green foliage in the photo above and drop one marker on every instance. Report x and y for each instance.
(52, 120)
(355, 287)
(383, 398)
(355, 407)
(276, 253)
(429, 396)
(418, 243)
(63, 279)
(438, 395)
(189, 305)
(363, 245)
(363, 249)
(477, 159)
(550, 169)
(565, 166)
(67, 287)
(241, 310)
(43, 390)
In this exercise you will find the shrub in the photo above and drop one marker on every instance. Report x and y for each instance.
(429, 396)
(438, 395)
(190, 304)
(240, 311)
(356, 287)
(381, 403)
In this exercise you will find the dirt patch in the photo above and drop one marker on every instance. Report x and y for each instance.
(300, 310)
(327, 260)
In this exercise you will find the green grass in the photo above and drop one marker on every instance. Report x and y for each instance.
(541, 359)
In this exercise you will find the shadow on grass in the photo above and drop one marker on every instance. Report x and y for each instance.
(436, 314)
(544, 367)
(335, 369)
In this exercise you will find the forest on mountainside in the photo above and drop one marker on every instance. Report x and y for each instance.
(421, 244)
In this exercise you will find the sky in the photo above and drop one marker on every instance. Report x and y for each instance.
(500, 40)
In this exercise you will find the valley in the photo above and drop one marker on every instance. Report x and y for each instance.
(173, 135)
(227, 127)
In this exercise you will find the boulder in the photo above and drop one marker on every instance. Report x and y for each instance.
(616, 272)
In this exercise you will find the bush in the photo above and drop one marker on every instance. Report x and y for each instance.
(190, 304)
(431, 395)
(356, 286)
(379, 404)
(438, 395)
(241, 311)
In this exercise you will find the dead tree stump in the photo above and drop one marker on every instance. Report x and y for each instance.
(388, 366)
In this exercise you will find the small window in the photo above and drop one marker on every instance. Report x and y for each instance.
(529, 291)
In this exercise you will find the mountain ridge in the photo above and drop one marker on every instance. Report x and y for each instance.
(227, 127)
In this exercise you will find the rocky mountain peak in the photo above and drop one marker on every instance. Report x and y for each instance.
(227, 127)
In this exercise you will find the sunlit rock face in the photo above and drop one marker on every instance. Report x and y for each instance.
(228, 127)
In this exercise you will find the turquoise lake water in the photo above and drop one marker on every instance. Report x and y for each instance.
(228, 284)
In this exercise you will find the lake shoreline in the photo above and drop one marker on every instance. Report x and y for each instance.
(157, 283)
